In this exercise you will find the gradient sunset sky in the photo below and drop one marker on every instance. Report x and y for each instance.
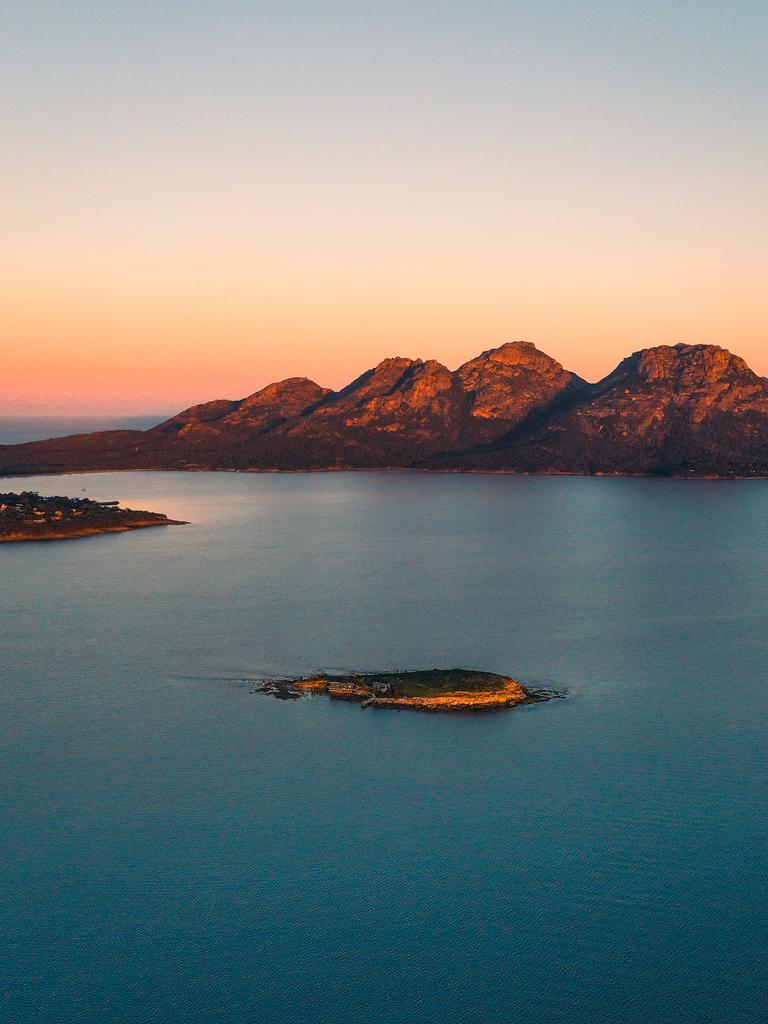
(201, 197)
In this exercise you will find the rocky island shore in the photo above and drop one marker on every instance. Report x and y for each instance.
(430, 690)
(28, 516)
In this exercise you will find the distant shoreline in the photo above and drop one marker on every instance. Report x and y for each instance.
(256, 471)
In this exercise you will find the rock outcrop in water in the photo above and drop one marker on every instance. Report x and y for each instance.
(683, 410)
(435, 689)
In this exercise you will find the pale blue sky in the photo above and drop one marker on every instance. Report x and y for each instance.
(313, 186)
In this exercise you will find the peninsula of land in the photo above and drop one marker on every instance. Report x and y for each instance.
(28, 516)
(455, 689)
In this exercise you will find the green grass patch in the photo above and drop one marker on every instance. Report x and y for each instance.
(435, 682)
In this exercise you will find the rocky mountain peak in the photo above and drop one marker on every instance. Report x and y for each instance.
(396, 394)
(380, 380)
(684, 366)
(518, 353)
(392, 363)
(509, 382)
(293, 390)
(511, 360)
(703, 364)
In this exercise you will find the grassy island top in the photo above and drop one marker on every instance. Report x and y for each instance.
(436, 689)
(433, 682)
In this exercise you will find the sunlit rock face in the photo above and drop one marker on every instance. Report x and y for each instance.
(269, 407)
(407, 409)
(505, 385)
(671, 410)
(397, 395)
(392, 414)
(685, 410)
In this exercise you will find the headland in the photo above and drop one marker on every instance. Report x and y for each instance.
(27, 516)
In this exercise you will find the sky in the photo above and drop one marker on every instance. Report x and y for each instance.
(202, 196)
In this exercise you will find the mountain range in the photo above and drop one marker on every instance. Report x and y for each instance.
(681, 410)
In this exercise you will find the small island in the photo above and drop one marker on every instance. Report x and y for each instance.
(28, 516)
(454, 689)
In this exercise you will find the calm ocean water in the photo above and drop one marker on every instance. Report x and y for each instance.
(177, 849)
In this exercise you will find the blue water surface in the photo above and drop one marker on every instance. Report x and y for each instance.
(178, 849)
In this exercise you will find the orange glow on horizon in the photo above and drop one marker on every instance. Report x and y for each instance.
(196, 206)
(119, 350)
